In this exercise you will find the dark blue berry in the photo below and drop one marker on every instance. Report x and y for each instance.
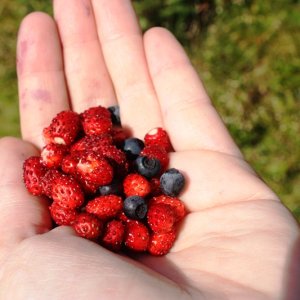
(115, 188)
(148, 167)
(133, 147)
(172, 182)
(115, 115)
(135, 207)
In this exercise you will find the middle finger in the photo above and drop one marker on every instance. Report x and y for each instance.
(86, 73)
(123, 50)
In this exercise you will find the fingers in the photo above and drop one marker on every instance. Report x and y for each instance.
(123, 49)
(188, 114)
(42, 88)
(21, 215)
(86, 73)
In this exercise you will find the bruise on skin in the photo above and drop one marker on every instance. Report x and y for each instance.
(41, 95)
(87, 7)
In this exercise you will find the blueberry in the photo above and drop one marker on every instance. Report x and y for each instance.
(133, 147)
(148, 167)
(172, 182)
(115, 115)
(135, 207)
(115, 188)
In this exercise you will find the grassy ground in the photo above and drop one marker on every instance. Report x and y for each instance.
(247, 53)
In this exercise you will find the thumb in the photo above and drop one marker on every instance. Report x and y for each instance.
(21, 214)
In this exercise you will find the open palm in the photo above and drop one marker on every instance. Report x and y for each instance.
(237, 242)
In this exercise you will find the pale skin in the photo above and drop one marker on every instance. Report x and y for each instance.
(237, 242)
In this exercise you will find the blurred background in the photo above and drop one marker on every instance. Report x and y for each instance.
(247, 54)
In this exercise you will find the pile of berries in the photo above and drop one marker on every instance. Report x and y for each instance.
(113, 189)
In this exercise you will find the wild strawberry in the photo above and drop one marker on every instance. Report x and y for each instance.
(88, 187)
(96, 125)
(113, 235)
(88, 226)
(158, 152)
(176, 203)
(119, 135)
(136, 236)
(112, 153)
(94, 168)
(161, 243)
(63, 129)
(136, 185)
(69, 163)
(158, 136)
(92, 142)
(116, 158)
(96, 111)
(96, 120)
(61, 215)
(53, 154)
(33, 172)
(155, 186)
(122, 217)
(105, 207)
(47, 181)
(161, 217)
(67, 193)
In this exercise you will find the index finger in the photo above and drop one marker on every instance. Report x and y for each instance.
(41, 80)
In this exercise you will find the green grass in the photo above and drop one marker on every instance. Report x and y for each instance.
(247, 54)
(250, 63)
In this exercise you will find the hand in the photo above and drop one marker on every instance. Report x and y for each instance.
(237, 242)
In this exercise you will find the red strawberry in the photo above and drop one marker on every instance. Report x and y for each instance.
(63, 129)
(61, 215)
(88, 226)
(33, 172)
(94, 168)
(105, 207)
(112, 153)
(97, 125)
(113, 235)
(69, 163)
(48, 180)
(122, 217)
(92, 142)
(176, 203)
(161, 217)
(161, 243)
(136, 184)
(67, 193)
(158, 152)
(53, 154)
(155, 186)
(96, 120)
(119, 135)
(96, 111)
(116, 158)
(158, 136)
(88, 186)
(136, 236)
